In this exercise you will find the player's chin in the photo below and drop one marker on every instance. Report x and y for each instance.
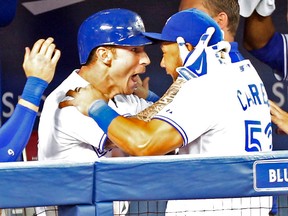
(129, 90)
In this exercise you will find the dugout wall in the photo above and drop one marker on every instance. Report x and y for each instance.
(89, 189)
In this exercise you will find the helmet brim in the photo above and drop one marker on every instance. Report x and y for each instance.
(139, 40)
(157, 37)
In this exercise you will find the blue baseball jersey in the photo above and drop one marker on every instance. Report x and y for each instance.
(227, 112)
(274, 54)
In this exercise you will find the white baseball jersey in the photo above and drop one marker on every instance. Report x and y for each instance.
(67, 134)
(222, 113)
(225, 112)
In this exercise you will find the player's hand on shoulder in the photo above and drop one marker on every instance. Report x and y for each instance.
(41, 61)
(82, 98)
(279, 117)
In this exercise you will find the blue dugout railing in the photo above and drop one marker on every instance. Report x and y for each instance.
(89, 188)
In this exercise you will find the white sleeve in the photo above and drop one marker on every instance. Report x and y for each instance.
(73, 127)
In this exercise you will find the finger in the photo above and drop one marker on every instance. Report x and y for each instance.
(271, 103)
(45, 45)
(36, 47)
(182, 48)
(275, 114)
(279, 131)
(275, 108)
(145, 82)
(77, 89)
(71, 93)
(50, 50)
(26, 55)
(65, 103)
(56, 57)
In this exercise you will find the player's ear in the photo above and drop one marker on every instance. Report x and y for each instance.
(222, 20)
(104, 55)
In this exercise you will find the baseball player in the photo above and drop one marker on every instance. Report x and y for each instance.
(261, 38)
(79, 138)
(227, 111)
(112, 56)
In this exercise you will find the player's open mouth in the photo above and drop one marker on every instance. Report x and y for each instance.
(134, 77)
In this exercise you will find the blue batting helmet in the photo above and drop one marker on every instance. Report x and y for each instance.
(110, 27)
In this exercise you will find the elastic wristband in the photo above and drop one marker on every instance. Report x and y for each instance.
(102, 114)
(34, 89)
(152, 96)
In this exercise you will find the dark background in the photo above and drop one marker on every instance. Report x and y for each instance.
(63, 24)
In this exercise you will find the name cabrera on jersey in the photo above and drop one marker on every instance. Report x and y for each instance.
(223, 112)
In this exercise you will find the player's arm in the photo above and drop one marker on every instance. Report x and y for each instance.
(39, 66)
(140, 138)
(132, 135)
(258, 30)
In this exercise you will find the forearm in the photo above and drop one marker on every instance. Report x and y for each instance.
(15, 133)
(134, 136)
(130, 135)
(258, 31)
(139, 138)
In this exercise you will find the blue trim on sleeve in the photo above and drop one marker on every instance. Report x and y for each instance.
(152, 97)
(176, 126)
(102, 114)
(34, 89)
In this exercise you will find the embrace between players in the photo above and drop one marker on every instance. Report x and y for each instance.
(217, 103)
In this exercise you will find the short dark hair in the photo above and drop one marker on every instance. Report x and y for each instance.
(230, 7)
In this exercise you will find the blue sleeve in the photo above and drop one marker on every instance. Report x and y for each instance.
(274, 54)
(152, 97)
(15, 133)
